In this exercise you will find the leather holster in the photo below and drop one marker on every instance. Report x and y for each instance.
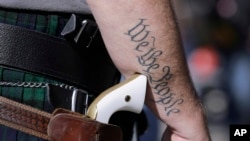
(69, 126)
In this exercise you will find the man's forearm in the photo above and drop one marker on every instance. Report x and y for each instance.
(142, 37)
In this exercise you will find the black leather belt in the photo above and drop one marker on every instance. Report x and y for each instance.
(90, 68)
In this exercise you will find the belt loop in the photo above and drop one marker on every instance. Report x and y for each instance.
(74, 99)
(79, 101)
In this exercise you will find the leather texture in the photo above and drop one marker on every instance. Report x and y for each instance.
(88, 68)
(73, 127)
(62, 125)
(24, 118)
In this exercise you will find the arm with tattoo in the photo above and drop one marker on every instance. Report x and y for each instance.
(142, 37)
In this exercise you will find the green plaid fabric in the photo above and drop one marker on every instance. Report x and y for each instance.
(36, 97)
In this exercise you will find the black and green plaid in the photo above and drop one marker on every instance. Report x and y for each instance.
(36, 97)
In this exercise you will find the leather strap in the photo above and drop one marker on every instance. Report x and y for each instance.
(81, 128)
(24, 118)
(62, 125)
(88, 68)
(69, 6)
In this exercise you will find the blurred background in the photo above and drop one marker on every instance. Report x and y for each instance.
(216, 38)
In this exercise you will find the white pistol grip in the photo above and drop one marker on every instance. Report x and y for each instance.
(128, 95)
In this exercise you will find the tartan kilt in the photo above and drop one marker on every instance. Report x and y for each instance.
(35, 97)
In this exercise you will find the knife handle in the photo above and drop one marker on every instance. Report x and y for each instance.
(129, 95)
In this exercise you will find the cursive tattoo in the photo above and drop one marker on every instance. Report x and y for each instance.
(148, 56)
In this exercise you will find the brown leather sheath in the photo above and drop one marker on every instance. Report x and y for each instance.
(62, 125)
